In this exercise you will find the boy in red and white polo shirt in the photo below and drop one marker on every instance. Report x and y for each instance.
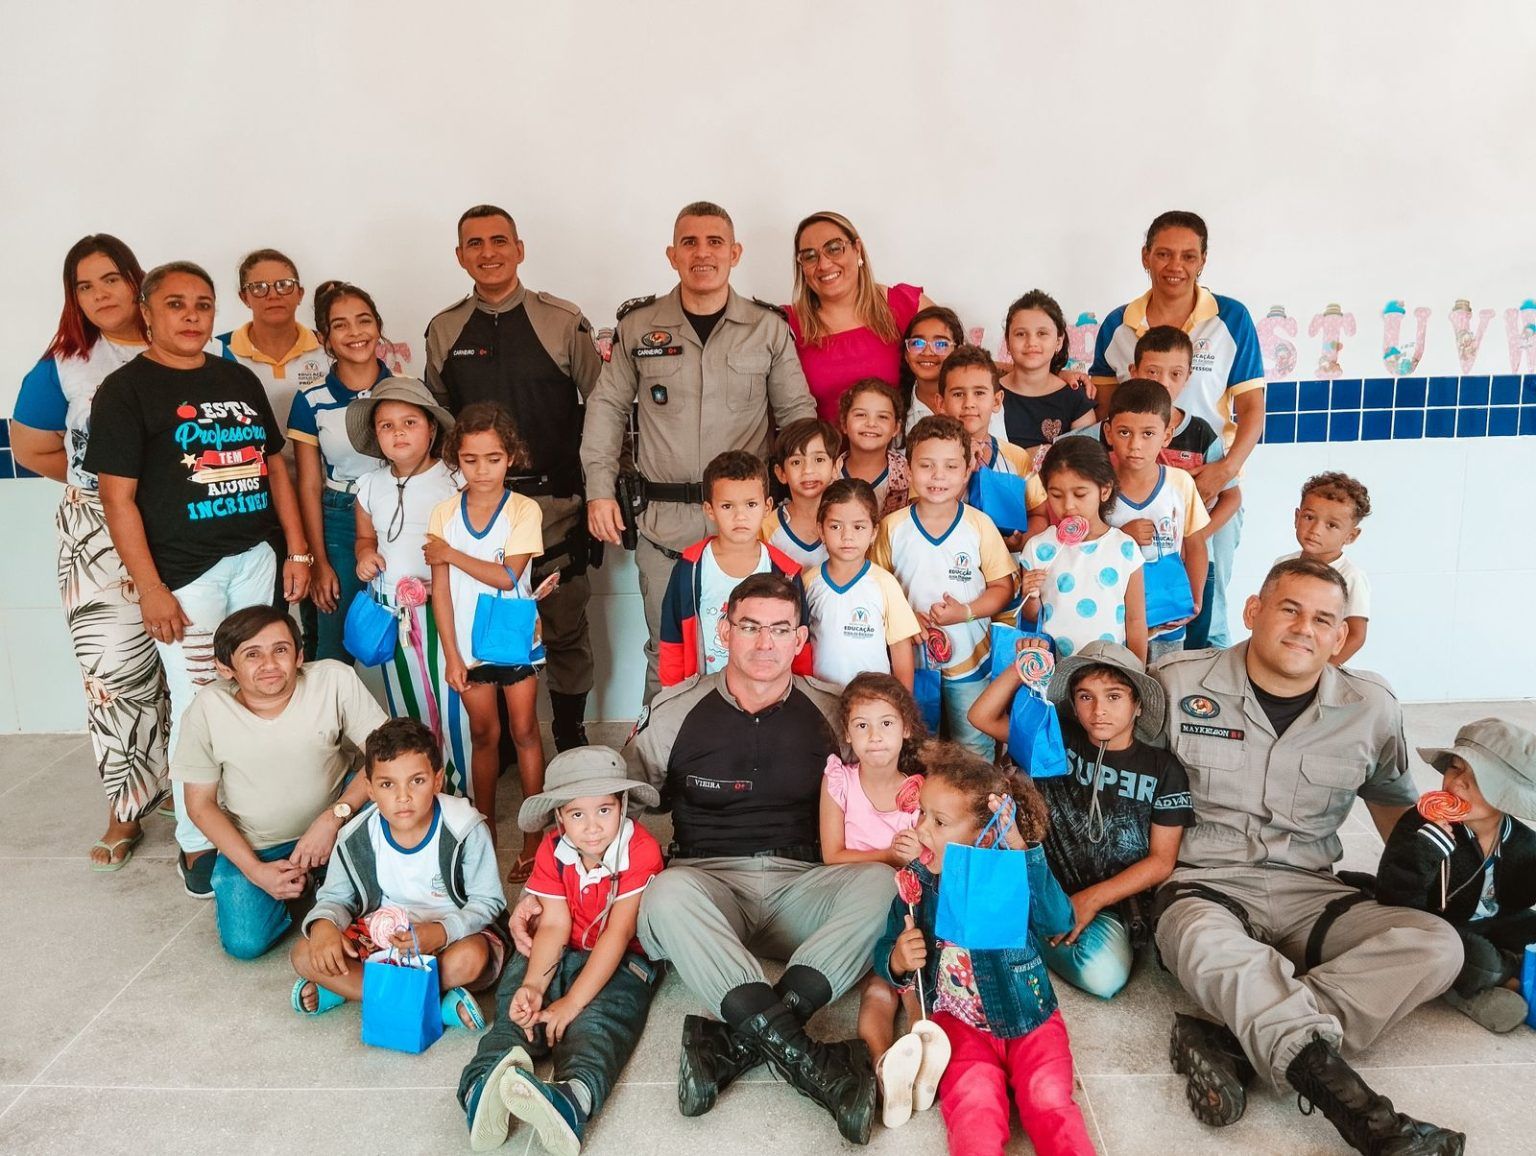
(584, 992)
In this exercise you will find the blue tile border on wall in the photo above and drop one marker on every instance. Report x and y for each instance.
(1377, 409)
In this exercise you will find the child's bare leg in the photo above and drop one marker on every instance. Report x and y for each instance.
(911, 1007)
(484, 736)
(461, 964)
(878, 1004)
(522, 712)
(348, 985)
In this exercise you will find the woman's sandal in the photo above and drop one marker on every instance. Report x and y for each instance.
(325, 999)
(522, 868)
(936, 1051)
(456, 998)
(113, 863)
(896, 1072)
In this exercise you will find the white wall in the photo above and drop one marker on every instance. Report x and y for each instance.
(1349, 154)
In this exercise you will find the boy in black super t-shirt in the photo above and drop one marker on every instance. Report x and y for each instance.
(1117, 816)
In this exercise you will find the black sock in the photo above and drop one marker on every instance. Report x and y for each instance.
(804, 990)
(742, 1003)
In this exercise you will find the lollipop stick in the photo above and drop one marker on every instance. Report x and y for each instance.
(918, 974)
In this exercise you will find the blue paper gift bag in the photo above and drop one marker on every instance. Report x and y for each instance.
(1166, 584)
(370, 630)
(402, 1004)
(1000, 497)
(504, 630)
(1034, 736)
(928, 690)
(984, 891)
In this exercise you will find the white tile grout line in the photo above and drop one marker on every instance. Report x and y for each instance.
(1359, 1067)
(35, 1081)
(84, 741)
(1093, 1116)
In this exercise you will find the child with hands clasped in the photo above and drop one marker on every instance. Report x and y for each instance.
(416, 853)
(870, 414)
(858, 615)
(804, 460)
(1082, 577)
(583, 993)
(996, 1007)
(484, 542)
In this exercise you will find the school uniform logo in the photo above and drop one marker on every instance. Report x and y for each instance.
(311, 371)
(1198, 706)
(859, 626)
(961, 568)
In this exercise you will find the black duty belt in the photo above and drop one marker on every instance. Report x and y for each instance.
(688, 493)
(800, 852)
(540, 486)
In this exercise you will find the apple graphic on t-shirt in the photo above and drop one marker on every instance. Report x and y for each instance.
(186, 411)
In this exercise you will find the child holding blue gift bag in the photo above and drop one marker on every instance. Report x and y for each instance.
(995, 1004)
(483, 542)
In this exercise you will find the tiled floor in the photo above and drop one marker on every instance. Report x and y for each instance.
(127, 1030)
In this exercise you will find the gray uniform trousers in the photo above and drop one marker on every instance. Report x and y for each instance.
(563, 615)
(708, 916)
(1378, 963)
(655, 572)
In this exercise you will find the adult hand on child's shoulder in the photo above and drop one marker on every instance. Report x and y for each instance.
(525, 922)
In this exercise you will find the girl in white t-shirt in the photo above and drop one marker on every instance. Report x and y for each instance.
(400, 422)
(484, 542)
(1082, 577)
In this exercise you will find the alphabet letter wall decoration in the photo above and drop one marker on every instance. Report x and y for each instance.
(1331, 323)
(1080, 339)
(1397, 359)
(1467, 342)
(1520, 329)
(1279, 353)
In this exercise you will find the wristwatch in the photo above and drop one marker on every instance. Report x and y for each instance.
(342, 811)
(305, 559)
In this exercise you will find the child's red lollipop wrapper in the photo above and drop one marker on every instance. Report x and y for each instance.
(1072, 530)
(410, 593)
(939, 647)
(907, 794)
(1443, 807)
(909, 887)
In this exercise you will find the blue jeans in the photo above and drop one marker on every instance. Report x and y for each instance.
(1212, 628)
(250, 921)
(956, 700)
(1099, 962)
(340, 526)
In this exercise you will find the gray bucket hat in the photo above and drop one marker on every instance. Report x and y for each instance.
(580, 773)
(1154, 703)
(409, 389)
(1502, 756)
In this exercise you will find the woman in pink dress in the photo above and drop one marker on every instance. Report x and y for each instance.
(847, 327)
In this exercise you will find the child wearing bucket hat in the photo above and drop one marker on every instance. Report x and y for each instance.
(1118, 815)
(583, 993)
(1473, 863)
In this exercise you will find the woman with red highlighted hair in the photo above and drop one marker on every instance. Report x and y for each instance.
(100, 329)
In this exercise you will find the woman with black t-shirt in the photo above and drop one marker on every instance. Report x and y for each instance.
(186, 449)
(1118, 814)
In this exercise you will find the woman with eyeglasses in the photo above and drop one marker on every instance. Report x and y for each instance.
(196, 494)
(329, 466)
(400, 422)
(926, 344)
(847, 327)
(284, 354)
(100, 330)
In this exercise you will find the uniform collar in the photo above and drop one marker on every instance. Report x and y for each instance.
(240, 345)
(725, 693)
(1205, 308)
(511, 303)
(615, 859)
(1229, 676)
(669, 309)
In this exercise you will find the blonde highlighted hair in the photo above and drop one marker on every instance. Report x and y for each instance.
(873, 310)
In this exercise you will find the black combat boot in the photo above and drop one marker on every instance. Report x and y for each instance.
(1218, 1072)
(838, 1077)
(1366, 1120)
(568, 714)
(713, 1056)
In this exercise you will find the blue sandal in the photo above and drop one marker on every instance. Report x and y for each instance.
(456, 998)
(325, 999)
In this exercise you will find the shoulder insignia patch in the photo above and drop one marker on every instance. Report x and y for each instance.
(631, 305)
(771, 307)
(1199, 706)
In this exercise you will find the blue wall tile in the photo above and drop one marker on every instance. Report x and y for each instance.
(1439, 423)
(1280, 397)
(1312, 396)
(1528, 390)
(1527, 420)
(1503, 421)
(1344, 427)
(1378, 393)
(1407, 423)
(5, 433)
(1411, 393)
(1345, 394)
(1376, 425)
(1279, 428)
(1474, 391)
(23, 472)
(1312, 427)
(1442, 391)
(1506, 390)
(7, 467)
(1472, 422)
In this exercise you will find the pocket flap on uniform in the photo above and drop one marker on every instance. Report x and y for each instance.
(1322, 771)
(1211, 754)
(753, 362)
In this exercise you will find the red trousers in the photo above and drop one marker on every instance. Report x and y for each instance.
(973, 1094)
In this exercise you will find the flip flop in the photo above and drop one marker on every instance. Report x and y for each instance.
(325, 999)
(167, 809)
(898, 1069)
(112, 863)
(521, 870)
(936, 1050)
(456, 998)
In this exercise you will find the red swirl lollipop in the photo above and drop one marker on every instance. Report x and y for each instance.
(411, 592)
(1072, 530)
(1443, 807)
(940, 650)
(907, 794)
(909, 887)
(1034, 664)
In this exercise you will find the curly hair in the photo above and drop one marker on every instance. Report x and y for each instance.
(975, 778)
(1340, 487)
(486, 417)
(872, 686)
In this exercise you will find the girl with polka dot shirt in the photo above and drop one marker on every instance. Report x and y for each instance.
(1078, 588)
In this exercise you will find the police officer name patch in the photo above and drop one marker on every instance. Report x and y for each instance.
(666, 351)
(1211, 732)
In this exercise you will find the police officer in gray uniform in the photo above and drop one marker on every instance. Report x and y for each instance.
(711, 371)
(532, 354)
(1294, 963)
